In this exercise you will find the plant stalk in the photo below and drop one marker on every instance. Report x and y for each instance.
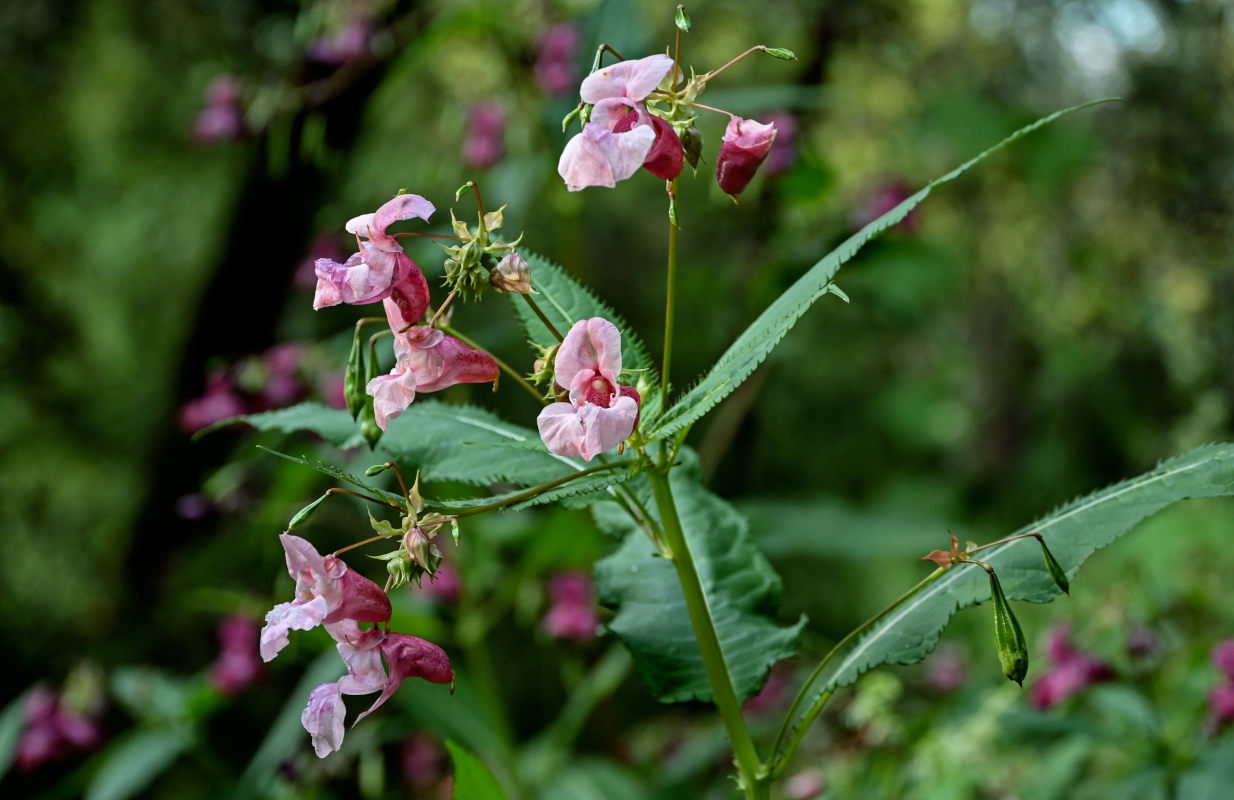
(669, 302)
(748, 764)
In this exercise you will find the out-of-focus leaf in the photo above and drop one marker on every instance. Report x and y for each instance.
(593, 779)
(12, 721)
(151, 694)
(472, 781)
(137, 758)
(334, 425)
(777, 320)
(651, 616)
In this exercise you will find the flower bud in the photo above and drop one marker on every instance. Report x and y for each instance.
(422, 550)
(512, 274)
(692, 145)
(742, 150)
(1008, 637)
(1056, 570)
(353, 379)
(303, 514)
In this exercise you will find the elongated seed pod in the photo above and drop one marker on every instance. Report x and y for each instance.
(1056, 570)
(1008, 637)
(354, 378)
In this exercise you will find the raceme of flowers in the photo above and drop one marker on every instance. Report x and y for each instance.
(331, 594)
(624, 132)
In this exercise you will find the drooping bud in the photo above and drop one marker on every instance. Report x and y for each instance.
(422, 550)
(512, 274)
(742, 150)
(1008, 637)
(1056, 570)
(303, 514)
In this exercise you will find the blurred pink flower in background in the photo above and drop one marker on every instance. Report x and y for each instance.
(946, 670)
(805, 785)
(1073, 671)
(53, 731)
(237, 665)
(1221, 698)
(344, 44)
(572, 613)
(556, 69)
(220, 402)
(784, 149)
(879, 200)
(221, 119)
(422, 759)
(483, 143)
(444, 586)
(774, 692)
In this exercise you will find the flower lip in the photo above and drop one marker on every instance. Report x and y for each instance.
(629, 79)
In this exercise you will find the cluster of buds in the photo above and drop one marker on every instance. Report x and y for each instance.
(639, 114)
(417, 554)
(467, 269)
(1008, 636)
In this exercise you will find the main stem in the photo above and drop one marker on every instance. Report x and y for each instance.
(669, 297)
(748, 764)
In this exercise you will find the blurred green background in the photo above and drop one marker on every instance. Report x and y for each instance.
(1059, 319)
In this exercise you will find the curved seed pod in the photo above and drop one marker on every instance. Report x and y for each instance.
(1008, 637)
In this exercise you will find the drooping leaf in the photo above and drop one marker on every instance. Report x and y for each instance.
(909, 632)
(564, 301)
(138, 757)
(460, 443)
(588, 484)
(332, 424)
(651, 616)
(765, 333)
(336, 473)
(472, 780)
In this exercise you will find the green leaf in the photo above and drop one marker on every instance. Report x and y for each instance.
(472, 780)
(337, 474)
(765, 333)
(564, 301)
(651, 617)
(332, 424)
(135, 759)
(587, 484)
(907, 633)
(12, 721)
(458, 443)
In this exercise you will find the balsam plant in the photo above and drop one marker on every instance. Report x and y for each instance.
(692, 598)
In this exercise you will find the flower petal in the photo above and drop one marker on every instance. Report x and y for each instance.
(361, 652)
(392, 394)
(591, 347)
(410, 657)
(561, 429)
(288, 617)
(605, 428)
(599, 157)
(323, 719)
(632, 79)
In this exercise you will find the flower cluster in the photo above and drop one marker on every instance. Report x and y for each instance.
(426, 360)
(572, 610)
(600, 413)
(1073, 671)
(331, 594)
(626, 130)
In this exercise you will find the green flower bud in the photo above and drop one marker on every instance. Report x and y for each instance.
(1008, 637)
(781, 53)
(303, 514)
(682, 20)
(1056, 570)
(422, 550)
(353, 379)
(375, 470)
(691, 144)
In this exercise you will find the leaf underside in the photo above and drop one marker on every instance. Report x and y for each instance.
(651, 616)
(758, 340)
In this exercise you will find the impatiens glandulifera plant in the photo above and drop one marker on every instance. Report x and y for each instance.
(612, 437)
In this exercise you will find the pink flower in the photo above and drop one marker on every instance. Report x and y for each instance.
(1223, 657)
(880, 200)
(555, 65)
(381, 266)
(784, 148)
(347, 43)
(327, 591)
(486, 127)
(221, 119)
(236, 666)
(1073, 672)
(52, 731)
(601, 413)
(1221, 705)
(220, 402)
(426, 360)
(742, 150)
(572, 613)
(612, 145)
(411, 657)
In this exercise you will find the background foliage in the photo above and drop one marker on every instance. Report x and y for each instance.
(1055, 321)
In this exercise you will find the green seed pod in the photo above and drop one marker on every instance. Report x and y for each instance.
(368, 425)
(353, 379)
(682, 19)
(303, 514)
(1056, 570)
(1012, 649)
(691, 145)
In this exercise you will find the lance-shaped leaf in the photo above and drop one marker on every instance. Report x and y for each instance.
(908, 632)
(651, 617)
(564, 302)
(771, 326)
(584, 485)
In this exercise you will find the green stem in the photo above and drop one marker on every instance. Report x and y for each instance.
(669, 302)
(501, 365)
(530, 493)
(748, 765)
(543, 318)
(779, 759)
